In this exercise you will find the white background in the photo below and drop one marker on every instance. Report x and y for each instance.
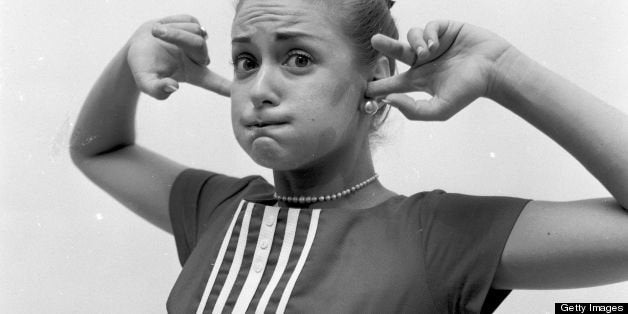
(67, 247)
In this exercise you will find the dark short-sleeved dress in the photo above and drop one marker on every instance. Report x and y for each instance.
(432, 252)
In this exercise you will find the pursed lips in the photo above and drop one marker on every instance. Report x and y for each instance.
(259, 124)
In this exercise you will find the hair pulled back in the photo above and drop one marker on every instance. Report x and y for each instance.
(361, 20)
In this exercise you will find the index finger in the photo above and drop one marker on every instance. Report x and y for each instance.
(396, 84)
(394, 48)
(214, 82)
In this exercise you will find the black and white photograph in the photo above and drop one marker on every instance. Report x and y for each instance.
(314, 156)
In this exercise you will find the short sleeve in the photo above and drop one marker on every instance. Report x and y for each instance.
(463, 238)
(196, 195)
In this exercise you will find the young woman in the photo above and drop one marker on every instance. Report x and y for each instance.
(312, 80)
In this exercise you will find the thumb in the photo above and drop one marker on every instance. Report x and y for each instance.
(159, 88)
(433, 109)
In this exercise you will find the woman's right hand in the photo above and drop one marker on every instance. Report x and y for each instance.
(163, 53)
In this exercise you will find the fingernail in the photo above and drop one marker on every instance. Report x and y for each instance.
(386, 101)
(430, 44)
(170, 89)
(419, 51)
(203, 32)
(160, 30)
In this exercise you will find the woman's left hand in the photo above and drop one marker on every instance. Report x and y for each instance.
(452, 61)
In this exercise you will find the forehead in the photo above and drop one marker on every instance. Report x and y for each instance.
(304, 15)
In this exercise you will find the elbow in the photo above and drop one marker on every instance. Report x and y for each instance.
(77, 156)
(78, 149)
(81, 150)
(80, 153)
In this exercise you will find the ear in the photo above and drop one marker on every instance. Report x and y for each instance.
(381, 69)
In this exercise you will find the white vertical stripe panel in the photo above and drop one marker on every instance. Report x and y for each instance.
(219, 258)
(237, 262)
(282, 260)
(297, 271)
(260, 258)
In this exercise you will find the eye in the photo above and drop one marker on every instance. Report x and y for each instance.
(244, 63)
(298, 59)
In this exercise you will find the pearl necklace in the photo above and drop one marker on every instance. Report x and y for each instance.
(324, 198)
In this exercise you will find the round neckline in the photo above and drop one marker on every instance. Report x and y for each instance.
(389, 200)
(263, 195)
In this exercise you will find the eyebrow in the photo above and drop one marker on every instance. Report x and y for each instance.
(279, 36)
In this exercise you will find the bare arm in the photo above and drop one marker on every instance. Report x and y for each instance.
(103, 141)
(103, 147)
(556, 245)
(567, 244)
(589, 129)
(553, 244)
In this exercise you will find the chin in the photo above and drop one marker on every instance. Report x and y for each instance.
(269, 154)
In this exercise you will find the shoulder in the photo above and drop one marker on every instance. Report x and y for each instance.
(204, 185)
(442, 212)
(440, 200)
(200, 197)
(462, 237)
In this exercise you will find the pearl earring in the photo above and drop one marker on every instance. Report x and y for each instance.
(370, 107)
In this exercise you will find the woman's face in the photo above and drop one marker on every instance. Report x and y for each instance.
(296, 88)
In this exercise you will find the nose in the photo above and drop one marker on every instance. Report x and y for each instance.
(264, 88)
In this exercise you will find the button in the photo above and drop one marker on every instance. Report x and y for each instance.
(259, 267)
(263, 244)
(270, 222)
